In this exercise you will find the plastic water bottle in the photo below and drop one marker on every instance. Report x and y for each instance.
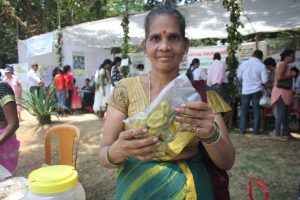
(57, 182)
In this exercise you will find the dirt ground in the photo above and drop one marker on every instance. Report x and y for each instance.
(97, 181)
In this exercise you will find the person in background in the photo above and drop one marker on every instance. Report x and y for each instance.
(102, 79)
(54, 72)
(9, 123)
(14, 82)
(297, 85)
(2, 68)
(61, 86)
(88, 96)
(194, 72)
(34, 81)
(140, 67)
(282, 98)
(115, 74)
(139, 70)
(76, 99)
(253, 74)
(270, 64)
(181, 173)
(216, 77)
(70, 83)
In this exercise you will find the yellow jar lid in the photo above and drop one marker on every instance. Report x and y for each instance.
(52, 179)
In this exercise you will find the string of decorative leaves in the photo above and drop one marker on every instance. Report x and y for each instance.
(59, 47)
(234, 40)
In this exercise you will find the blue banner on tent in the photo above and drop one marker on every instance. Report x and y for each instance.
(39, 45)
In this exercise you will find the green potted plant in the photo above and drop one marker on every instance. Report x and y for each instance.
(41, 104)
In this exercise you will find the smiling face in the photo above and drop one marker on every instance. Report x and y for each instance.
(165, 45)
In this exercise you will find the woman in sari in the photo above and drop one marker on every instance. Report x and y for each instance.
(143, 173)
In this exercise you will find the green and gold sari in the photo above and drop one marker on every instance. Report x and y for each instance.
(160, 179)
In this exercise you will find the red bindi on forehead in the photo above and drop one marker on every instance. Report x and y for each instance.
(164, 32)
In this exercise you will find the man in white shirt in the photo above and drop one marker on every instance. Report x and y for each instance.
(216, 77)
(34, 80)
(253, 74)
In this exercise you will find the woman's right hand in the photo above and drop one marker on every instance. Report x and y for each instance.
(133, 143)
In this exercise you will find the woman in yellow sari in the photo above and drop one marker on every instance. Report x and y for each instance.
(181, 173)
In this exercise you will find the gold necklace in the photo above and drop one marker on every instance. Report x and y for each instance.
(149, 86)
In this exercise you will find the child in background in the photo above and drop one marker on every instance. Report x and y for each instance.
(75, 99)
(88, 96)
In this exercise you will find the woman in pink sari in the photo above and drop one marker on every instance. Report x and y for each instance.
(9, 123)
(14, 82)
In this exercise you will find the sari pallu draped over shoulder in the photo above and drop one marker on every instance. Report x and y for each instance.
(162, 178)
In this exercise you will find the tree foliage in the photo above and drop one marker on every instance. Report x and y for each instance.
(23, 19)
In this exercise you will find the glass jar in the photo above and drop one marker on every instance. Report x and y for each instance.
(56, 182)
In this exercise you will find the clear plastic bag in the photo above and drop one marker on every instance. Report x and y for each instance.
(159, 116)
(265, 100)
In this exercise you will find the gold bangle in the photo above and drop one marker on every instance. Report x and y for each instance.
(215, 136)
(108, 160)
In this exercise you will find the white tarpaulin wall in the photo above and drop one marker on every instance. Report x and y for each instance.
(92, 58)
(204, 20)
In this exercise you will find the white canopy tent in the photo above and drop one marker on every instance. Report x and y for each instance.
(204, 20)
(93, 40)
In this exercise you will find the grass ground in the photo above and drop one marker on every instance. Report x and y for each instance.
(275, 163)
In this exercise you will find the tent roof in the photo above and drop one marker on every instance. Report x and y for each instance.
(204, 20)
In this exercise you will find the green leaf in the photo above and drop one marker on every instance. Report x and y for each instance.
(40, 105)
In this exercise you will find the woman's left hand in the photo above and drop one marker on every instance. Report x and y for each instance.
(198, 117)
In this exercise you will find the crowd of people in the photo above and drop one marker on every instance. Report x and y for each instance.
(93, 96)
(257, 77)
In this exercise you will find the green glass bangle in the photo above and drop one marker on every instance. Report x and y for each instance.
(108, 160)
(214, 138)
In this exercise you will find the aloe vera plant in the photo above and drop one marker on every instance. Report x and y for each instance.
(41, 104)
